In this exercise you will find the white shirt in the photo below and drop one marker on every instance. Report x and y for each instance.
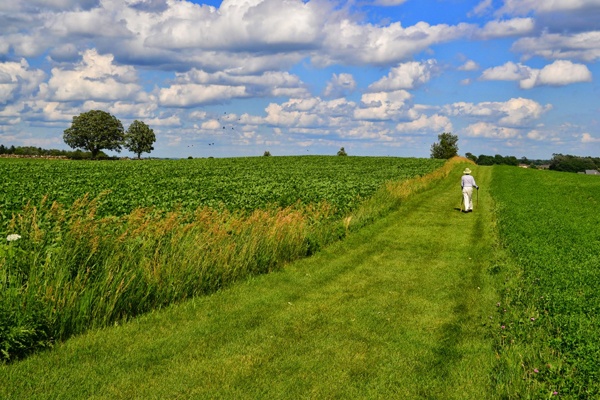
(467, 181)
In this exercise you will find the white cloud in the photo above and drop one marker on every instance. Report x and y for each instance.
(348, 42)
(340, 85)
(295, 112)
(559, 73)
(389, 2)
(171, 120)
(523, 7)
(482, 8)
(384, 105)
(406, 76)
(514, 113)
(190, 95)
(536, 135)
(507, 72)
(507, 28)
(491, 131)
(17, 79)
(469, 65)
(212, 124)
(95, 77)
(270, 83)
(433, 124)
(587, 138)
(583, 46)
(238, 25)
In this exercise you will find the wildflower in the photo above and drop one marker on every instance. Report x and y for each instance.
(533, 319)
(12, 237)
(554, 393)
(498, 304)
(503, 327)
(536, 370)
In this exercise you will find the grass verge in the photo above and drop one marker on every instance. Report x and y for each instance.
(549, 329)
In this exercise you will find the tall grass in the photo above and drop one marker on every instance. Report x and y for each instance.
(72, 270)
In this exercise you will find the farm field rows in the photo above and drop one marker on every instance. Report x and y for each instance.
(549, 320)
(234, 183)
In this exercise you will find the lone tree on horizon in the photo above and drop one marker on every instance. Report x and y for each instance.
(446, 148)
(94, 131)
(139, 138)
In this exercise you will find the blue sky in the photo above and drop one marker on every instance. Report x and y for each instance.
(240, 77)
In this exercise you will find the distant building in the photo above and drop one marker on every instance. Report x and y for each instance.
(592, 172)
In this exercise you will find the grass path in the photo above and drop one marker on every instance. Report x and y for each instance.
(397, 310)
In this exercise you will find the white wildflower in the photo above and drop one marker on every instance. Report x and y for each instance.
(13, 237)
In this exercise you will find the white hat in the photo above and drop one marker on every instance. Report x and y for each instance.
(467, 171)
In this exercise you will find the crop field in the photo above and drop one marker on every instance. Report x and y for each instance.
(234, 183)
(92, 243)
(549, 322)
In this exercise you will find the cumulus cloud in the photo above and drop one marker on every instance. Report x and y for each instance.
(257, 35)
(523, 7)
(406, 76)
(587, 138)
(340, 85)
(95, 77)
(559, 73)
(491, 131)
(514, 113)
(295, 112)
(17, 80)
(366, 44)
(507, 72)
(384, 105)
(424, 124)
(270, 83)
(190, 95)
(507, 28)
(581, 46)
(469, 65)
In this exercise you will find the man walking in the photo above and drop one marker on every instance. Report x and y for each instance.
(467, 183)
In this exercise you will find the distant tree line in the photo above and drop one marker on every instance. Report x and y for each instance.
(31, 151)
(493, 160)
(568, 163)
(559, 162)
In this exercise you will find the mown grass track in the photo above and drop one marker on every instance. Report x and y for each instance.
(397, 310)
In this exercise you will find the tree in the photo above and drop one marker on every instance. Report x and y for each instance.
(342, 152)
(93, 131)
(139, 138)
(471, 157)
(569, 163)
(267, 154)
(446, 148)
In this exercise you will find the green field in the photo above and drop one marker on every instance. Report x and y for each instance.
(234, 183)
(550, 224)
(89, 261)
(417, 301)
